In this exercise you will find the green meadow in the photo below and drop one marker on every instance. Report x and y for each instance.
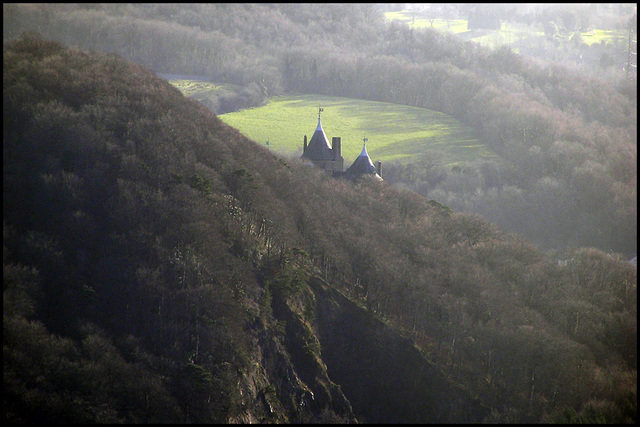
(394, 132)
(508, 33)
(603, 36)
(195, 88)
(414, 20)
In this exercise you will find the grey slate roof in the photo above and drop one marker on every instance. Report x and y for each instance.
(319, 148)
(362, 165)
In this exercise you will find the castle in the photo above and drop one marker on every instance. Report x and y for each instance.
(329, 157)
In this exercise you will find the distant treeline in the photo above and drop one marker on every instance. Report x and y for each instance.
(568, 141)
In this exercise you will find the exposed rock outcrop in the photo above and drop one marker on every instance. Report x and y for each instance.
(325, 359)
(383, 375)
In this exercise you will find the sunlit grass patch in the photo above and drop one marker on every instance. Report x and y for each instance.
(599, 36)
(194, 88)
(414, 20)
(402, 15)
(453, 25)
(394, 132)
(508, 34)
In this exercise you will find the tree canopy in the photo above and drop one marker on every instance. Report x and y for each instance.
(156, 263)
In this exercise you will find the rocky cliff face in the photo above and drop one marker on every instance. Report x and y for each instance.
(287, 380)
(383, 375)
(332, 361)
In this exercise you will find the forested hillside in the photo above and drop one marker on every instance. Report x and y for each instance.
(569, 140)
(160, 267)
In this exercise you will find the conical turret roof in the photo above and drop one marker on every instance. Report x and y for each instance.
(319, 148)
(363, 164)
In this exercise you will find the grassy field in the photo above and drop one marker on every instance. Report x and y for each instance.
(195, 88)
(416, 21)
(394, 132)
(508, 33)
(599, 36)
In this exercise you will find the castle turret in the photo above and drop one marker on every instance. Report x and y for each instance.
(318, 148)
(320, 153)
(363, 166)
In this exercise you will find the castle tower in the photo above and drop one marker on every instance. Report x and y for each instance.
(363, 166)
(320, 153)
